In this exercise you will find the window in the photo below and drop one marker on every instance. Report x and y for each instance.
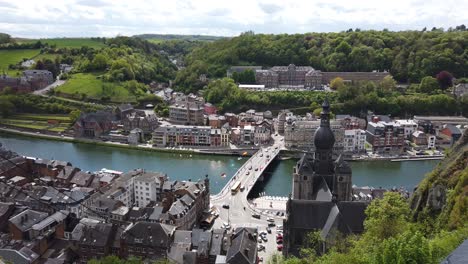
(147, 188)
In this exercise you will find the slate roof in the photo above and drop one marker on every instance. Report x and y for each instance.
(150, 234)
(82, 178)
(67, 172)
(183, 236)
(5, 208)
(217, 242)
(26, 219)
(22, 256)
(347, 216)
(156, 214)
(56, 217)
(243, 247)
(97, 235)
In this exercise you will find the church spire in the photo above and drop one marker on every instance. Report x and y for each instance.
(325, 114)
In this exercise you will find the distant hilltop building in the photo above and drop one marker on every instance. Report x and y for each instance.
(293, 76)
(30, 81)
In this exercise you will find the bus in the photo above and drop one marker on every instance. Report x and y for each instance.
(235, 188)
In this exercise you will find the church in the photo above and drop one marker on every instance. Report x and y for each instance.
(321, 197)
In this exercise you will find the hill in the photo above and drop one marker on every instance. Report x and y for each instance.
(442, 197)
(162, 37)
(408, 55)
(72, 42)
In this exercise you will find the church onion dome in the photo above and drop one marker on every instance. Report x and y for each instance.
(324, 138)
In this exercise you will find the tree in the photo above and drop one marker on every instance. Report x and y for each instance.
(445, 79)
(74, 115)
(428, 85)
(409, 247)
(386, 217)
(388, 84)
(99, 62)
(6, 107)
(343, 47)
(337, 83)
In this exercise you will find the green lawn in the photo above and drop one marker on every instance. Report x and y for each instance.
(62, 118)
(72, 42)
(8, 57)
(92, 87)
(39, 122)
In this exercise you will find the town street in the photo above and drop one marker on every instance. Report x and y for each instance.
(234, 208)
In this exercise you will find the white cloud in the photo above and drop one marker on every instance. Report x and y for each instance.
(49, 18)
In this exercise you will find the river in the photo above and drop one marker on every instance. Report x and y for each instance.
(183, 167)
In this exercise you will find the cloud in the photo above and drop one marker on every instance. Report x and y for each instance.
(75, 18)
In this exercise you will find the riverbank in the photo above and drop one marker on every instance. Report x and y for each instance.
(285, 154)
(221, 152)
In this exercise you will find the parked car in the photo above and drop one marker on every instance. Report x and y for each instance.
(265, 239)
(268, 229)
(256, 216)
(226, 226)
(260, 247)
(279, 241)
(226, 206)
(279, 236)
(279, 247)
(269, 219)
(271, 224)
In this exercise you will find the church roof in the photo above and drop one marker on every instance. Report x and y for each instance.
(346, 217)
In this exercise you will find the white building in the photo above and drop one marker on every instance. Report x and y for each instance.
(354, 140)
(147, 188)
(409, 126)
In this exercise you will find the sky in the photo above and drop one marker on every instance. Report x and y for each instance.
(108, 18)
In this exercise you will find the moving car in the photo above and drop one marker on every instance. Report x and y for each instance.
(226, 206)
(256, 216)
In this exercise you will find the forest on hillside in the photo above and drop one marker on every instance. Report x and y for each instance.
(407, 55)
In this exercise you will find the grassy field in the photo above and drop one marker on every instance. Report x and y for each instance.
(8, 57)
(92, 87)
(55, 123)
(71, 42)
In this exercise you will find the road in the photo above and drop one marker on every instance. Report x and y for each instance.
(44, 91)
(240, 209)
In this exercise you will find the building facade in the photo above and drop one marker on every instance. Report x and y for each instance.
(300, 134)
(293, 76)
(180, 135)
(188, 113)
(354, 141)
(385, 137)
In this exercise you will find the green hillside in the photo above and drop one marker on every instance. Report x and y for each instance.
(408, 55)
(8, 57)
(162, 37)
(72, 42)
